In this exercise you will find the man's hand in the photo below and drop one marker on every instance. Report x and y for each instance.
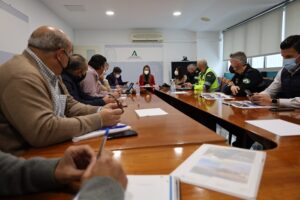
(113, 105)
(261, 99)
(73, 164)
(235, 89)
(108, 99)
(188, 85)
(106, 166)
(110, 117)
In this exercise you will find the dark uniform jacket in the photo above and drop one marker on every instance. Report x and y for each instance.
(250, 79)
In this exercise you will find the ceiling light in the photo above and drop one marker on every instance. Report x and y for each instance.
(109, 12)
(177, 13)
(75, 8)
(205, 19)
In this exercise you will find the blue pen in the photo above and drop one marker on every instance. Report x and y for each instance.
(103, 142)
(114, 127)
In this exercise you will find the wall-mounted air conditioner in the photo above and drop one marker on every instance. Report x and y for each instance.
(147, 37)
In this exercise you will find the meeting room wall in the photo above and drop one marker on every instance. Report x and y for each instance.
(209, 46)
(176, 44)
(18, 19)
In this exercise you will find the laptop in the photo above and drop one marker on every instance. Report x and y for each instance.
(128, 90)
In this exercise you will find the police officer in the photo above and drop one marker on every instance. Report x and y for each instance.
(207, 80)
(245, 77)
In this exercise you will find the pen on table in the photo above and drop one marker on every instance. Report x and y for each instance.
(101, 147)
(114, 127)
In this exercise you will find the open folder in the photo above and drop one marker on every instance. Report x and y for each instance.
(152, 187)
(230, 170)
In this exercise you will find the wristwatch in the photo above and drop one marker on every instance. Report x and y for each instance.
(275, 102)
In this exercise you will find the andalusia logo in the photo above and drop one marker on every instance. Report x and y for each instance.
(134, 55)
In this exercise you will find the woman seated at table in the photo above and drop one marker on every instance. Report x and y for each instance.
(146, 79)
(180, 77)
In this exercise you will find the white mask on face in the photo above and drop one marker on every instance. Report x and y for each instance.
(176, 73)
(290, 64)
(118, 75)
(146, 72)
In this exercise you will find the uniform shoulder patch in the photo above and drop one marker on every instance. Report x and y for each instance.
(246, 80)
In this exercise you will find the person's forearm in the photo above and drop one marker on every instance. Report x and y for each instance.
(293, 102)
(19, 176)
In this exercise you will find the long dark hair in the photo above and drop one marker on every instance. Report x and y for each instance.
(146, 77)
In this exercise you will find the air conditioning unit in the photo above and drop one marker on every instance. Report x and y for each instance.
(146, 37)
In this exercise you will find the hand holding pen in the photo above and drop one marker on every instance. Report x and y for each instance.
(105, 166)
(102, 144)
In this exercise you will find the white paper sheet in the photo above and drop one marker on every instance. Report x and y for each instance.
(152, 187)
(179, 92)
(150, 112)
(277, 126)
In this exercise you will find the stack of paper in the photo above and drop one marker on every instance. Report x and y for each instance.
(152, 187)
(114, 129)
(229, 170)
(150, 112)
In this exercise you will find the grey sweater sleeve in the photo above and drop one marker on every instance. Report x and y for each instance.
(101, 188)
(19, 176)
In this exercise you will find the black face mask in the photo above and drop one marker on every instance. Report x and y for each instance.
(78, 79)
(231, 69)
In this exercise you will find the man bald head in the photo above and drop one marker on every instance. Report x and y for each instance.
(52, 46)
(202, 64)
(49, 39)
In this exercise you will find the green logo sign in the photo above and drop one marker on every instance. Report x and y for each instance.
(134, 53)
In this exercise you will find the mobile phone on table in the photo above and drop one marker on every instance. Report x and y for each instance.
(282, 109)
(127, 133)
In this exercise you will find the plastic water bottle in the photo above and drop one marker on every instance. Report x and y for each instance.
(173, 86)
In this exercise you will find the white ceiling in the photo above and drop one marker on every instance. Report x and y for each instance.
(133, 14)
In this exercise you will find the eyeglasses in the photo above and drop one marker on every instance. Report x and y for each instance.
(118, 102)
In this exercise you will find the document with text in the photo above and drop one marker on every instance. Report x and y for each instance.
(230, 170)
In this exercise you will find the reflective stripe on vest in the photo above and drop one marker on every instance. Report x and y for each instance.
(214, 86)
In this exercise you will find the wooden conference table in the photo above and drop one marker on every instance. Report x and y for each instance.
(281, 176)
(166, 141)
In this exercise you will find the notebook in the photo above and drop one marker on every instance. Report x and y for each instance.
(152, 187)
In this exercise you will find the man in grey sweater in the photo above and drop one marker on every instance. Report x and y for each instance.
(101, 178)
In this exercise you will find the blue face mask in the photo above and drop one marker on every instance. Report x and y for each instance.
(290, 64)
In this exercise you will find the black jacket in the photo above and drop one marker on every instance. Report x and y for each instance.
(250, 79)
(113, 81)
(74, 90)
(192, 77)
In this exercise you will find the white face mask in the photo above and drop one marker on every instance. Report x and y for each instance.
(290, 64)
(146, 72)
(118, 75)
(176, 73)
